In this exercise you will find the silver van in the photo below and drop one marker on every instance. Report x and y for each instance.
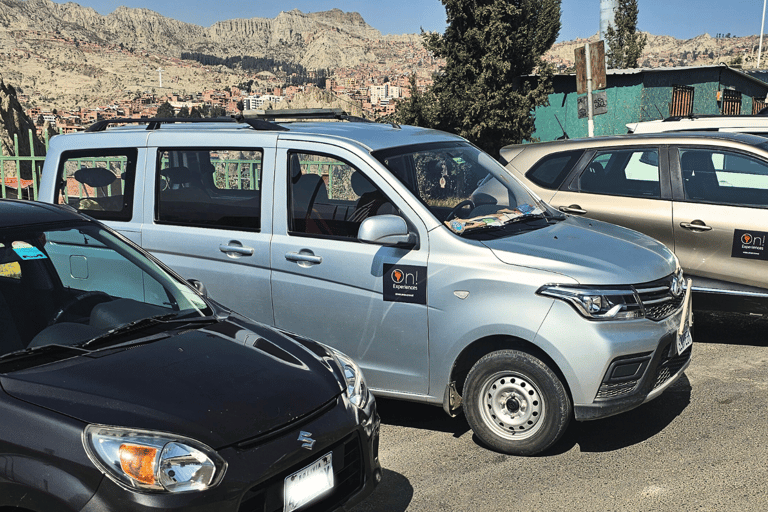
(412, 251)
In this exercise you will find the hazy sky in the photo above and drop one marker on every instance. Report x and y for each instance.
(682, 19)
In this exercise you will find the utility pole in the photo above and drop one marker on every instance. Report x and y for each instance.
(762, 27)
(160, 72)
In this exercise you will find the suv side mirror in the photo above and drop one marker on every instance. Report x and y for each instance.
(388, 230)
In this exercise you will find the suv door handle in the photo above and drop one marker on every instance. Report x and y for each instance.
(574, 208)
(301, 257)
(237, 249)
(696, 225)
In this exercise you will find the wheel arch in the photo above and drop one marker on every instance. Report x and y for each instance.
(473, 352)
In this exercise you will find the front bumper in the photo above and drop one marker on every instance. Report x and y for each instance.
(656, 372)
(257, 468)
(614, 366)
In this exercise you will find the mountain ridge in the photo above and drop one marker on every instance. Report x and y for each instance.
(68, 55)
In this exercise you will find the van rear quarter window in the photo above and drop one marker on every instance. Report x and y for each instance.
(98, 182)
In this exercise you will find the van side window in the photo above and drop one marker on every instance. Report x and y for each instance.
(330, 197)
(218, 188)
(99, 182)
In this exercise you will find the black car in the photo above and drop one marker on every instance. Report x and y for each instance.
(124, 388)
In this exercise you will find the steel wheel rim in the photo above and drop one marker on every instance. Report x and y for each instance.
(511, 405)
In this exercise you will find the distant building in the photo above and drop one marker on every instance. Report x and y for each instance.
(634, 95)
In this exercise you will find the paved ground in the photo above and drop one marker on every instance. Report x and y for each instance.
(702, 445)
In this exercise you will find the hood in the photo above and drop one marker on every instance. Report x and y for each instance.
(589, 251)
(219, 384)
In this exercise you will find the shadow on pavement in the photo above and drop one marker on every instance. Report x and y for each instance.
(418, 415)
(393, 494)
(730, 328)
(632, 427)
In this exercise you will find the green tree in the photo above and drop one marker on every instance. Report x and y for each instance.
(165, 110)
(217, 111)
(195, 113)
(416, 109)
(488, 47)
(183, 112)
(625, 43)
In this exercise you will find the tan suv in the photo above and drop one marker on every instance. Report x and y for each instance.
(704, 195)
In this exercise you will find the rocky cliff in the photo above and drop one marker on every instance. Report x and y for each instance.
(316, 40)
(13, 121)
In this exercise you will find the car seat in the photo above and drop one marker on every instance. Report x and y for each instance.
(699, 178)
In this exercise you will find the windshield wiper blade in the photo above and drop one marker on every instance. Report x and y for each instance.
(145, 323)
(135, 326)
(19, 354)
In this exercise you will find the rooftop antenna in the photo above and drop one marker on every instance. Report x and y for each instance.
(160, 73)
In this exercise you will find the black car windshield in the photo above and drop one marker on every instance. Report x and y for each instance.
(466, 189)
(69, 283)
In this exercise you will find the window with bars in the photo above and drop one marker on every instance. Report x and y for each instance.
(682, 101)
(730, 102)
(758, 104)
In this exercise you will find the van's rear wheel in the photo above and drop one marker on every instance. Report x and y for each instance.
(515, 403)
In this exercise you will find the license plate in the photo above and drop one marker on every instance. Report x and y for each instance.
(308, 483)
(684, 341)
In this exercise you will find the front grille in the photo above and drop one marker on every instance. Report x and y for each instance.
(608, 390)
(349, 477)
(669, 366)
(657, 298)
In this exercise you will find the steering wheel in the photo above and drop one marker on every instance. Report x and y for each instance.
(458, 207)
(86, 301)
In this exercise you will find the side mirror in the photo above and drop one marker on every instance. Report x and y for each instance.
(388, 230)
(199, 286)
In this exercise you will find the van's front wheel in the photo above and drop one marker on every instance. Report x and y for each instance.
(515, 403)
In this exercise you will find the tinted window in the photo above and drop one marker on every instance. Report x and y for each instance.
(633, 173)
(713, 175)
(100, 182)
(550, 171)
(219, 188)
(330, 197)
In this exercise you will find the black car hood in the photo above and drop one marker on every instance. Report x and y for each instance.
(211, 384)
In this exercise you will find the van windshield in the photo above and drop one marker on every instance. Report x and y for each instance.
(464, 188)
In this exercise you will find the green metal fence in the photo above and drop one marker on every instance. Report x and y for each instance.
(12, 186)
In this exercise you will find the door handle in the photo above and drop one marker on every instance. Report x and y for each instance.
(302, 257)
(574, 208)
(237, 249)
(696, 225)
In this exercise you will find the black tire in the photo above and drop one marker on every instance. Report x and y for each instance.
(515, 403)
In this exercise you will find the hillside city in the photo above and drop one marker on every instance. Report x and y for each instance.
(369, 89)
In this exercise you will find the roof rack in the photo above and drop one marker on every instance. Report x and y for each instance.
(304, 114)
(154, 123)
(762, 114)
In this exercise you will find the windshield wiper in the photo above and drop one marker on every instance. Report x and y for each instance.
(20, 354)
(145, 323)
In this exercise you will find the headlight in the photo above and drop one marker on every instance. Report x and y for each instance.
(598, 303)
(357, 391)
(143, 460)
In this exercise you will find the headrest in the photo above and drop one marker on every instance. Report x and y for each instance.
(95, 176)
(361, 184)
